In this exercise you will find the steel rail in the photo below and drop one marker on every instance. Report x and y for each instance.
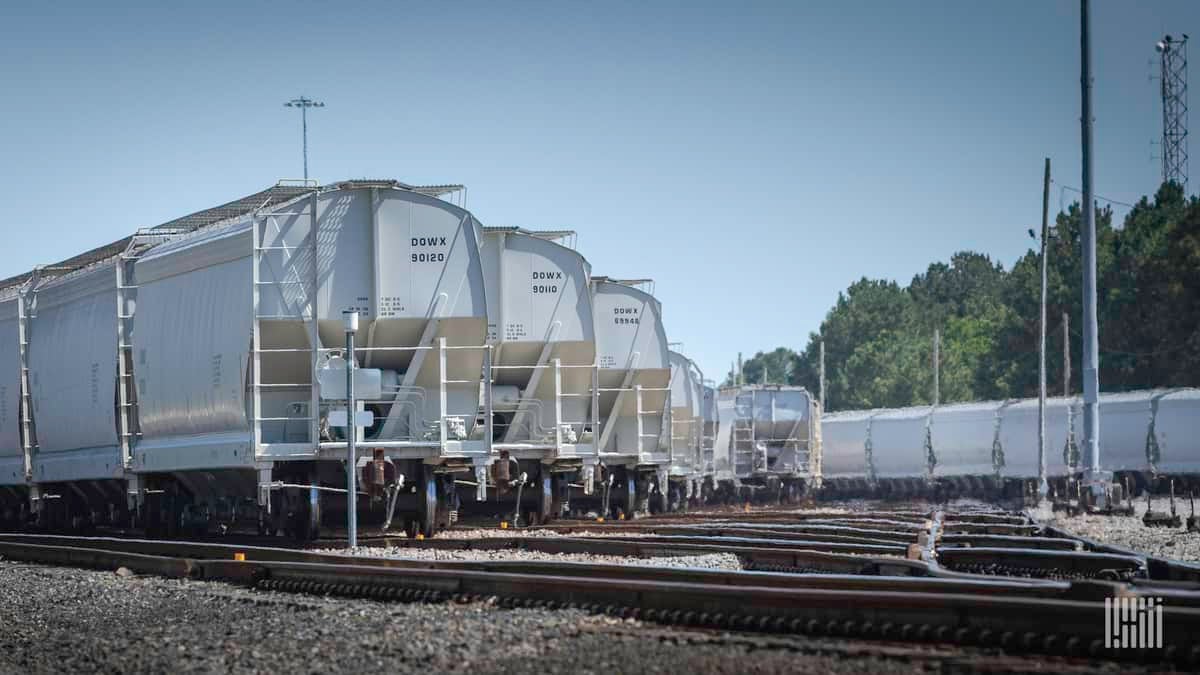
(971, 619)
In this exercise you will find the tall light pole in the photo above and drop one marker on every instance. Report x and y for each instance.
(1094, 479)
(304, 103)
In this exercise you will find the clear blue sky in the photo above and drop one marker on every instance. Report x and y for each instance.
(754, 159)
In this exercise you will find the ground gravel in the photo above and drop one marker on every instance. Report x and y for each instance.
(712, 561)
(62, 620)
(1128, 531)
(706, 561)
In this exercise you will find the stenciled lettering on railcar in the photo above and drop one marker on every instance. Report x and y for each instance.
(624, 316)
(540, 280)
(390, 306)
(95, 384)
(514, 331)
(362, 305)
(429, 249)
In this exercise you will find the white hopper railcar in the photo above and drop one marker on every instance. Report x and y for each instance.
(686, 427)
(544, 401)
(634, 376)
(177, 374)
(14, 471)
(708, 440)
(771, 436)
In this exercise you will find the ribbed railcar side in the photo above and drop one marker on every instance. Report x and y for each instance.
(72, 358)
(14, 486)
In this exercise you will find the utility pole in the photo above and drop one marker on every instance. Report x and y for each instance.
(1066, 354)
(304, 103)
(1043, 486)
(738, 379)
(937, 366)
(1094, 480)
(821, 375)
(1066, 340)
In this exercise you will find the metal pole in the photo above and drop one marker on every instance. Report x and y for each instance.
(1066, 323)
(1043, 487)
(1091, 349)
(937, 366)
(304, 124)
(351, 320)
(822, 375)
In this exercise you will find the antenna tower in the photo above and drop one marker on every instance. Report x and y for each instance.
(1173, 52)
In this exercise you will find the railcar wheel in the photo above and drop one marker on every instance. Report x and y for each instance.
(428, 506)
(546, 500)
(629, 505)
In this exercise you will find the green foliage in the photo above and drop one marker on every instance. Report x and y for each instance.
(879, 335)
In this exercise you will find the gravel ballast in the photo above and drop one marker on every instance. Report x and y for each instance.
(713, 561)
(65, 620)
(1128, 531)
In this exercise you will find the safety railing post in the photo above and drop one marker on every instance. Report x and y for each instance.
(558, 435)
(487, 398)
(596, 406)
(637, 393)
(442, 392)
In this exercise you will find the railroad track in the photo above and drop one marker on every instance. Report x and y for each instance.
(1010, 614)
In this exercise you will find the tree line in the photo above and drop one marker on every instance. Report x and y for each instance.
(879, 335)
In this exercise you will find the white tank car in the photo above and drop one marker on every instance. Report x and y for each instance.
(844, 466)
(1019, 434)
(634, 361)
(965, 442)
(770, 436)
(686, 428)
(1143, 435)
(1148, 434)
(899, 449)
(543, 365)
(1177, 434)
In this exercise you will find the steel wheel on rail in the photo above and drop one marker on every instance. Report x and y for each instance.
(629, 505)
(546, 497)
(427, 507)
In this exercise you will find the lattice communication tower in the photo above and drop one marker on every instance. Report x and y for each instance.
(1173, 52)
